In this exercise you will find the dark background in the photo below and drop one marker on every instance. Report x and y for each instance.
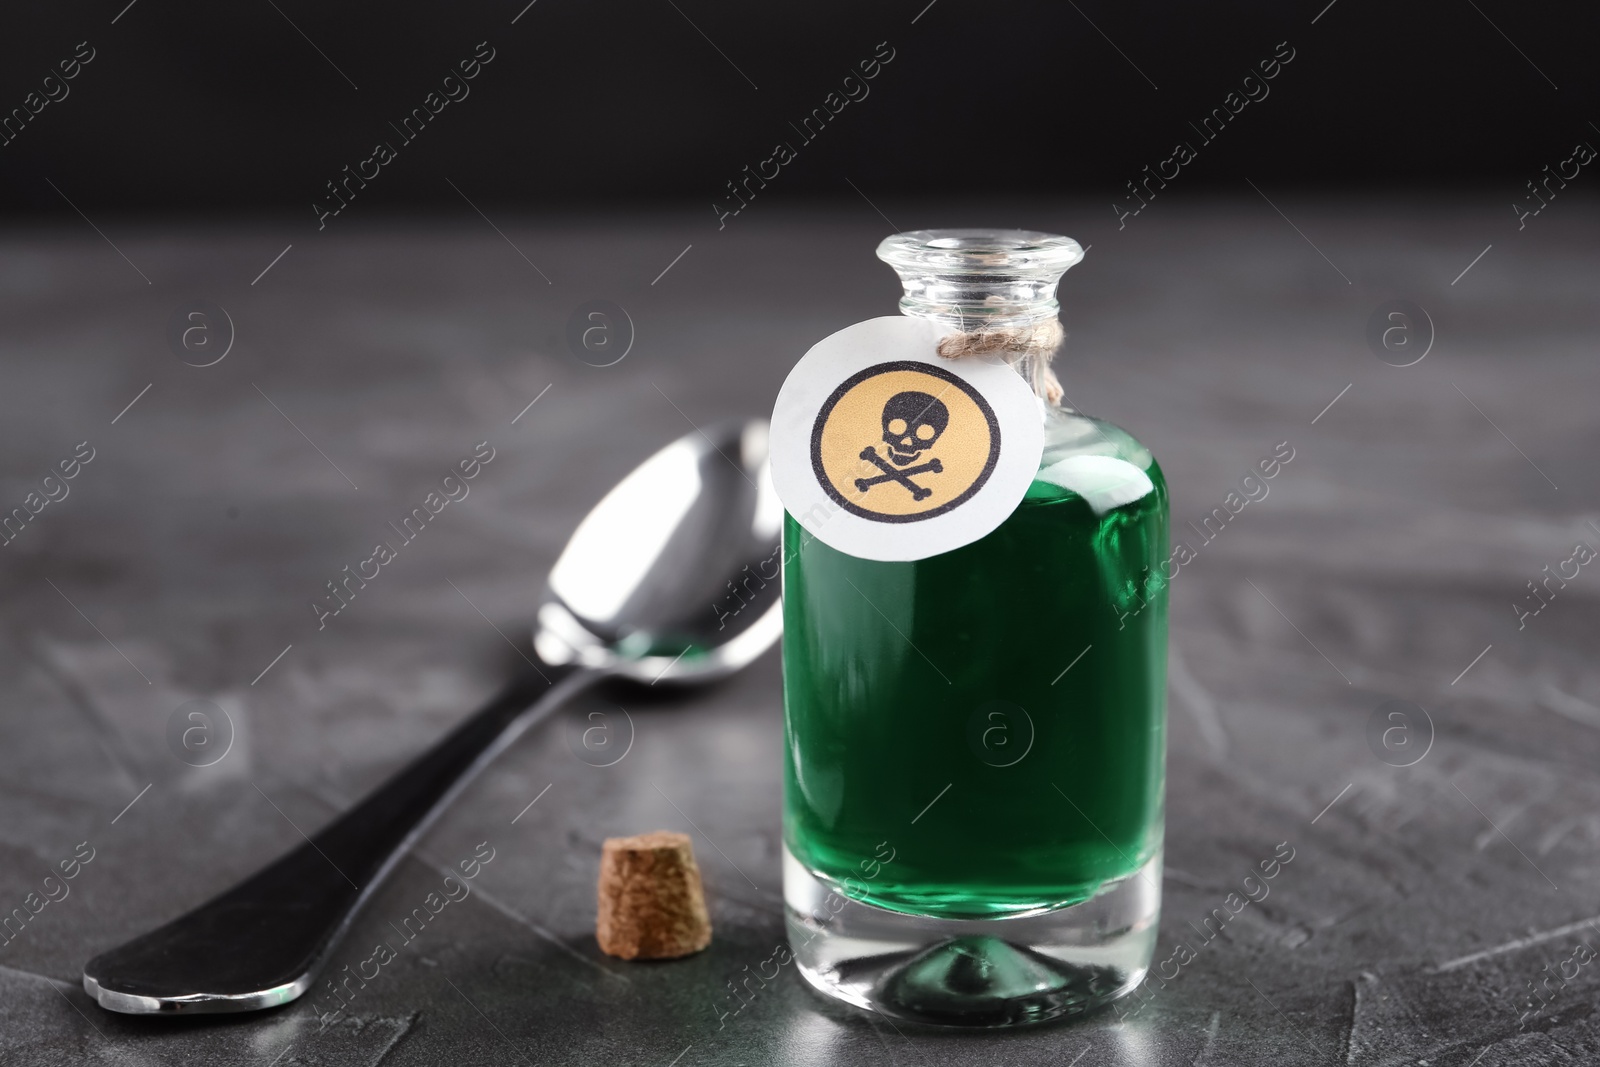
(192, 107)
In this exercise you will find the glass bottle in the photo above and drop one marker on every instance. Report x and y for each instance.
(975, 742)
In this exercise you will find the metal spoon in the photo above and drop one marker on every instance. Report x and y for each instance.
(641, 591)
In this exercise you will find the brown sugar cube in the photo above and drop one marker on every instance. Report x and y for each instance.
(652, 905)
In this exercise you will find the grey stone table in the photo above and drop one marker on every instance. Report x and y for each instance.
(1422, 906)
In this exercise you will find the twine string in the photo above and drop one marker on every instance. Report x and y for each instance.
(1035, 344)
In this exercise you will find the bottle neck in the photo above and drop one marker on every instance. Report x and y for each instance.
(975, 303)
(997, 287)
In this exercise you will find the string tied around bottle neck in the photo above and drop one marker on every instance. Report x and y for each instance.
(1036, 344)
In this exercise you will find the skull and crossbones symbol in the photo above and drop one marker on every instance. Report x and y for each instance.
(912, 424)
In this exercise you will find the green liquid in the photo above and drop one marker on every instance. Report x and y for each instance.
(901, 679)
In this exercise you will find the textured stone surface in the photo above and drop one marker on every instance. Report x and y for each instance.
(1386, 558)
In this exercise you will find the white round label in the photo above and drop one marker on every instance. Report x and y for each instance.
(886, 450)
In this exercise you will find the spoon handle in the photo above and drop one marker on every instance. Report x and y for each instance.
(262, 942)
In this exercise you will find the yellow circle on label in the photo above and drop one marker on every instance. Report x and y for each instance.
(904, 441)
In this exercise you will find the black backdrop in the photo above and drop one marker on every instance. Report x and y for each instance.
(255, 105)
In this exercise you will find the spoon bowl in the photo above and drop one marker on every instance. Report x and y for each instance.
(673, 575)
